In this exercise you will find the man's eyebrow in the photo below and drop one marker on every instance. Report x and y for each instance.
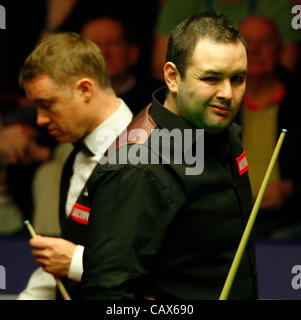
(212, 73)
(219, 73)
(241, 73)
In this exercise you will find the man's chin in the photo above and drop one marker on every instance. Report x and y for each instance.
(213, 124)
(60, 138)
(217, 127)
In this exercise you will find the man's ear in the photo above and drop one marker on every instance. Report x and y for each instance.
(85, 88)
(171, 76)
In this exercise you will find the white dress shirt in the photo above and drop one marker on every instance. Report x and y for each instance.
(42, 284)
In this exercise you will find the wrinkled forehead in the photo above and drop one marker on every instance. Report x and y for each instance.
(43, 87)
(230, 57)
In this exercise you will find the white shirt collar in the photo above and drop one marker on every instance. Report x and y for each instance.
(99, 140)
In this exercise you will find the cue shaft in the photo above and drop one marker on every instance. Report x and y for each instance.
(237, 258)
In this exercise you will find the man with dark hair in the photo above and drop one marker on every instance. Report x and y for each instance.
(173, 12)
(164, 230)
(67, 79)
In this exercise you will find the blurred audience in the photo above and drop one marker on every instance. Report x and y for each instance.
(23, 147)
(270, 105)
(57, 13)
(71, 15)
(174, 11)
(121, 51)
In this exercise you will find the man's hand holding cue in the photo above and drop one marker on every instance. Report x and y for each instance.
(53, 254)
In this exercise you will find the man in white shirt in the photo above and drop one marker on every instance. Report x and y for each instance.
(66, 78)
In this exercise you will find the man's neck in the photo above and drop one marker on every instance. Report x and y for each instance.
(104, 106)
(170, 104)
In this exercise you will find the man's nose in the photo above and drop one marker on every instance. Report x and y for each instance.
(225, 89)
(42, 117)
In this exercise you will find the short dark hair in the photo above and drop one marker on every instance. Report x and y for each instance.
(64, 57)
(187, 33)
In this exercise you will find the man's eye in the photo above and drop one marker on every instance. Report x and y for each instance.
(211, 79)
(237, 79)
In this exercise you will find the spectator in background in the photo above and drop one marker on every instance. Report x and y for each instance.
(174, 11)
(23, 147)
(120, 48)
(270, 104)
(71, 15)
(57, 12)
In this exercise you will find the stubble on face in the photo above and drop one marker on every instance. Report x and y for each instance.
(210, 94)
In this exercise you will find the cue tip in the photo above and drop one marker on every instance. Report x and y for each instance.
(284, 130)
(26, 221)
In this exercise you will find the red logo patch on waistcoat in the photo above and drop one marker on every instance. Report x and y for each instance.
(80, 213)
(242, 163)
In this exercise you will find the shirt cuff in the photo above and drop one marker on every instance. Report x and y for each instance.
(76, 266)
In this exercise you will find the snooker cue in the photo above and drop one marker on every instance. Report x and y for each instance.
(58, 281)
(237, 258)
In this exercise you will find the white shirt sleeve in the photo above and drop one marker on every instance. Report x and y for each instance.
(41, 286)
(76, 267)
